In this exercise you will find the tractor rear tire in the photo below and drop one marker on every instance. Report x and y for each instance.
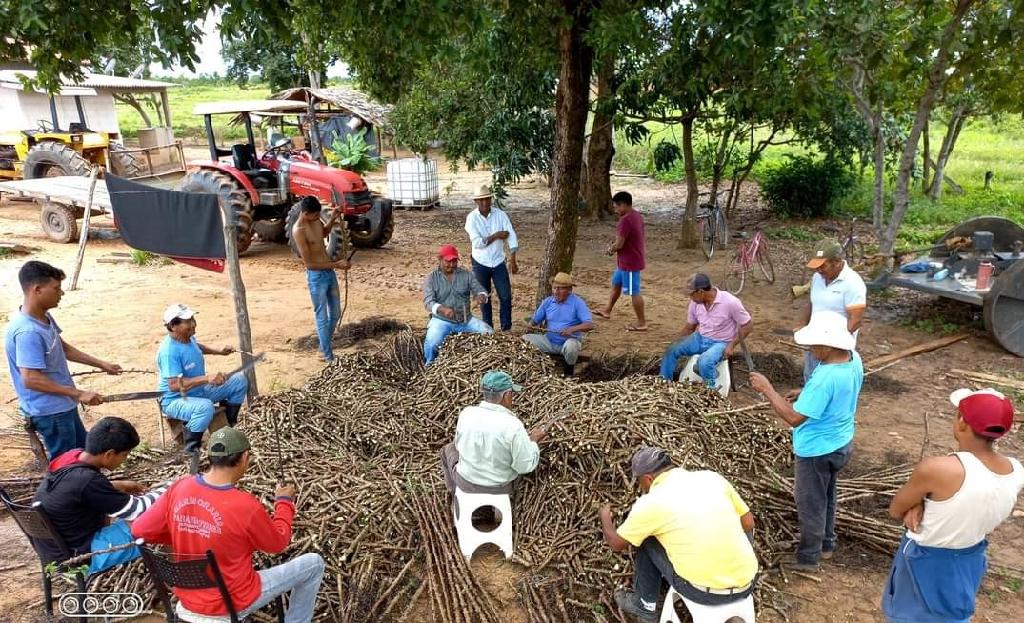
(51, 159)
(338, 242)
(271, 231)
(123, 163)
(382, 225)
(213, 182)
(58, 222)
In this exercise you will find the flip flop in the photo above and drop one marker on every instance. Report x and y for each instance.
(600, 314)
(633, 327)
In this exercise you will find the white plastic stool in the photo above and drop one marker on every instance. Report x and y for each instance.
(723, 381)
(744, 609)
(469, 537)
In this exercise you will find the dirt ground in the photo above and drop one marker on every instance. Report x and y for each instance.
(115, 314)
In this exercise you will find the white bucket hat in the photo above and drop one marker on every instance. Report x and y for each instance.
(178, 310)
(826, 328)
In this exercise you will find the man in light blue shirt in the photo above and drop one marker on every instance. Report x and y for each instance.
(37, 357)
(566, 317)
(823, 425)
(182, 371)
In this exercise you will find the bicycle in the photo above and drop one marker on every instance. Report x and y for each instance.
(853, 248)
(712, 227)
(750, 250)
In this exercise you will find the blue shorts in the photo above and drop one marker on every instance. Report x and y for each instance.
(629, 280)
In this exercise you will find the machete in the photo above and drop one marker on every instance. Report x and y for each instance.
(156, 394)
(747, 357)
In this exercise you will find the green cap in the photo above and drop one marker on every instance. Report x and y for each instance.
(499, 381)
(826, 250)
(227, 441)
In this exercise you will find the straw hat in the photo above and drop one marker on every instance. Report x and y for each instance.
(484, 192)
(826, 328)
(562, 279)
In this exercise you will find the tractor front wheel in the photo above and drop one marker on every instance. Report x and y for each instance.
(338, 242)
(382, 225)
(52, 159)
(212, 182)
(58, 222)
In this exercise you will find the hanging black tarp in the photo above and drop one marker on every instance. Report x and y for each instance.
(186, 227)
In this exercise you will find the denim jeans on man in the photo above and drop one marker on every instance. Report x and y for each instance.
(300, 578)
(652, 567)
(438, 329)
(710, 351)
(60, 432)
(323, 290)
(502, 286)
(815, 481)
(197, 409)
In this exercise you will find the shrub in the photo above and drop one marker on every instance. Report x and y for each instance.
(804, 187)
(352, 153)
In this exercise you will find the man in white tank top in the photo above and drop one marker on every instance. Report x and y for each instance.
(949, 506)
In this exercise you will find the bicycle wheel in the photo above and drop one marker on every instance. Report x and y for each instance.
(722, 227)
(854, 252)
(764, 262)
(706, 231)
(736, 275)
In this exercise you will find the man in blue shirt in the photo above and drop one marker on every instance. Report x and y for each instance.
(182, 370)
(823, 424)
(38, 357)
(567, 318)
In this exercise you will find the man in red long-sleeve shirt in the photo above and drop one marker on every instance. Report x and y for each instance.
(206, 512)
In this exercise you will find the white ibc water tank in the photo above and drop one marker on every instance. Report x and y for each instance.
(413, 181)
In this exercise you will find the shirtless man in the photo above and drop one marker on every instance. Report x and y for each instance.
(309, 233)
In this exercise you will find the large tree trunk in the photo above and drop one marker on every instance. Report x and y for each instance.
(878, 160)
(688, 233)
(926, 146)
(956, 123)
(130, 99)
(936, 81)
(601, 149)
(571, 98)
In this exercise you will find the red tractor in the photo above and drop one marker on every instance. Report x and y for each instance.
(262, 191)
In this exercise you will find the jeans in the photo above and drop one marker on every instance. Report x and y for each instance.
(60, 432)
(502, 285)
(438, 329)
(814, 482)
(810, 363)
(300, 578)
(653, 568)
(323, 290)
(710, 351)
(569, 350)
(197, 409)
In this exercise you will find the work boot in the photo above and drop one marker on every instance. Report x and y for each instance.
(790, 561)
(231, 413)
(629, 602)
(193, 447)
(568, 370)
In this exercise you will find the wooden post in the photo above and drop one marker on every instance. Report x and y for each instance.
(238, 294)
(166, 105)
(83, 236)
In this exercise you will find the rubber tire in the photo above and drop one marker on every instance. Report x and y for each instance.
(382, 217)
(707, 238)
(722, 229)
(211, 181)
(273, 230)
(47, 155)
(764, 262)
(338, 243)
(122, 163)
(59, 222)
(735, 277)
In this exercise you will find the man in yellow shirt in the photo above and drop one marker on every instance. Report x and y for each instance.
(693, 531)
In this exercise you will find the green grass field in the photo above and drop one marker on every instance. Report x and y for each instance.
(984, 145)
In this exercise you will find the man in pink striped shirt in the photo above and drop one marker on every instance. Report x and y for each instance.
(716, 322)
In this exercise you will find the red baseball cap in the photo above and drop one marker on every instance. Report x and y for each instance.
(448, 252)
(986, 411)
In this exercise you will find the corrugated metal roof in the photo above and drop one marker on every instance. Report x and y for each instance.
(94, 81)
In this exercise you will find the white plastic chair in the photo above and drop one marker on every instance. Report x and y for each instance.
(723, 382)
(700, 613)
(469, 537)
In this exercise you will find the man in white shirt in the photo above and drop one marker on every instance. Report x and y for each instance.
(489, 228)
(492, 447)
(835, 287)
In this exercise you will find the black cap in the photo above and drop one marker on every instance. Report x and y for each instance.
(699, 281)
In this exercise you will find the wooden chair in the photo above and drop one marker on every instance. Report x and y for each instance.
(197, 572)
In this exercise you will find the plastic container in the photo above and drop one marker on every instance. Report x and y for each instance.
(413, 182)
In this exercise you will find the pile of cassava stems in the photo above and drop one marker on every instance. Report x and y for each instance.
(361, 441)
